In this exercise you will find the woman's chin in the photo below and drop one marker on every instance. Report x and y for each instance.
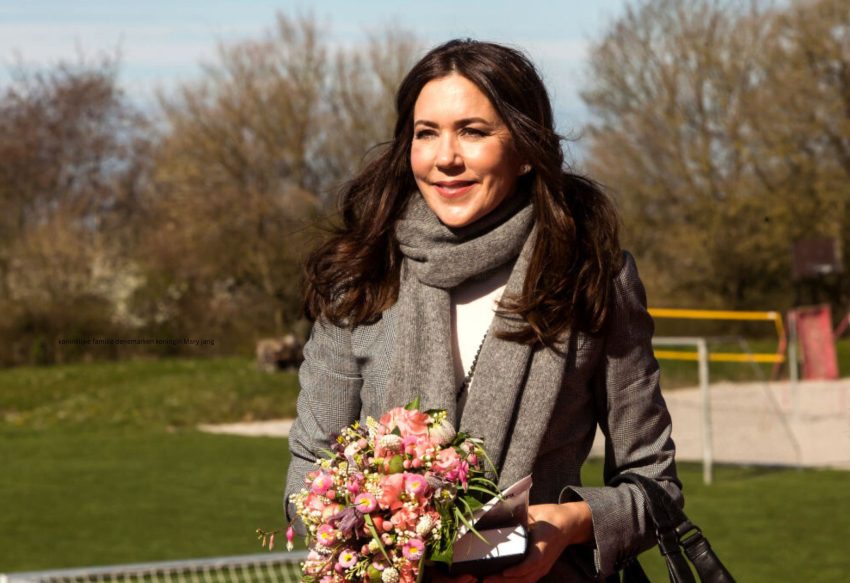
(455, 220)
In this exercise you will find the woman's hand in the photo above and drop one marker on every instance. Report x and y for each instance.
(553, 527)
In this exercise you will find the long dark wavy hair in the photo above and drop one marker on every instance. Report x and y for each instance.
(354, 275)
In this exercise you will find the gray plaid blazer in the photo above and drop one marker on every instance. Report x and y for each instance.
(611, 381)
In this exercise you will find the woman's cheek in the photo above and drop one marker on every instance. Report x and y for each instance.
(421, 160)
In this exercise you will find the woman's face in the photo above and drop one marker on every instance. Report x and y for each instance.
(462, 155)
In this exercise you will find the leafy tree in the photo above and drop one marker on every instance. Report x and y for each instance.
(711, 128)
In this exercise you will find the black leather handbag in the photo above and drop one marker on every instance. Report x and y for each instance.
(675, 534)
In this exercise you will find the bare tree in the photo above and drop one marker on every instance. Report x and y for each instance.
(72, 152)
(252, 156)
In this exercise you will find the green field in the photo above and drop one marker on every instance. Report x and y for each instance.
(101, 466)
(143, 394)
(104, 497)
(95, 498)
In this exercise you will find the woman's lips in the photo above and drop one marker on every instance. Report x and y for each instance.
(453, 189)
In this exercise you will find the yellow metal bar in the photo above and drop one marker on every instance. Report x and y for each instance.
(780, 329)
(738, 357)
(720, 356)
(776, 317)
(675, 355)
(711, 314)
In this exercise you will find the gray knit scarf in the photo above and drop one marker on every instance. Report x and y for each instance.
(514, 386)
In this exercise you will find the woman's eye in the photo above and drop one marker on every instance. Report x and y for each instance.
(476, 133)
(421, 134)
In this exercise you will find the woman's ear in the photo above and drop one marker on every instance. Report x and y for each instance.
(524, 169)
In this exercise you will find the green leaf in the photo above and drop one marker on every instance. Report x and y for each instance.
(484, 490)
(443, 555)
(371, 526)
(414, 404)
(468, 525)
(421, 569)
(490, 463)
(473, 503)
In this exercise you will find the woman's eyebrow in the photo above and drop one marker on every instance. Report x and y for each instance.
(459, 123)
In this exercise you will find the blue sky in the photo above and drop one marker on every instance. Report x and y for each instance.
(163, 42)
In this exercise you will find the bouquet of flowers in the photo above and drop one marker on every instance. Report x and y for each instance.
(390, 496)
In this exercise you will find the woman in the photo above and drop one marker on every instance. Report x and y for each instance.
(470, 203)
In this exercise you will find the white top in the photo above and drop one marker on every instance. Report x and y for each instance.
(473, 306)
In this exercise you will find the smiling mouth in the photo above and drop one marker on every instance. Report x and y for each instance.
(453, 189)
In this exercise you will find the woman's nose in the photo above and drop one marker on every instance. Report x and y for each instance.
(448, 155)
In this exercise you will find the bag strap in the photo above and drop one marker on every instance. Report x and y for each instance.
(676, 533)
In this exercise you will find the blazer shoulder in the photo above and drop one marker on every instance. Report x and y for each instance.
(627, 282)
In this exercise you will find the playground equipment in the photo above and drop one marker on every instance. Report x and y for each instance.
(703, 356)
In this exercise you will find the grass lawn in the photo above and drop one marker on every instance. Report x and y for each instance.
(143, 394)
(100, 465)
(104, 497)
(181, 393)
(77, 498)
(766, 524)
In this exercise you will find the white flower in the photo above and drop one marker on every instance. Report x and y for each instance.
(424, 526)
(389, 575)
(351, 450)
(442, 433)
(391, 442)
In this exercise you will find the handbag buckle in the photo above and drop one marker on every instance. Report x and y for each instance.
(688, 534)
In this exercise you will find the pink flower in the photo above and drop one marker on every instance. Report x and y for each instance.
(447, 462)
(405, 519)
(326, 535)
(463, 473)
(365, 503)
(391, 487)
(313, 502)
(348, 558)
(408, 422)
(415, 484)
(407, 575)
(419, 446)
(330, 510)
(413, 550)
(355, 483)
(290, 534)
(321, 483)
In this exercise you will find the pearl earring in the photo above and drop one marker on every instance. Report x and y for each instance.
(524, 169)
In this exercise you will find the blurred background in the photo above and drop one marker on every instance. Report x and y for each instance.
(166, 166)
